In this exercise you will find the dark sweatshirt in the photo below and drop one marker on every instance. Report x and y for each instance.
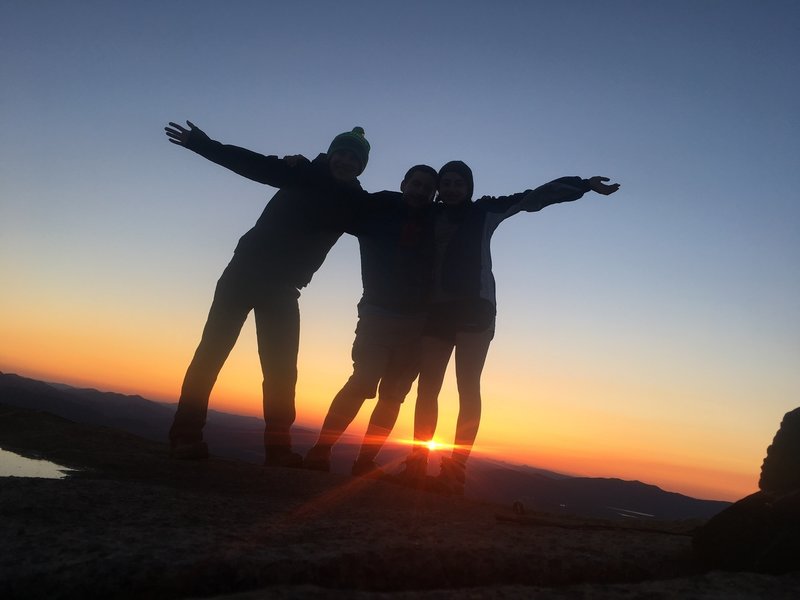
(396, 243)
(463, 270)
(301, 222)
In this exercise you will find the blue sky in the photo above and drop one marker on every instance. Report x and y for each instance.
(672, 305)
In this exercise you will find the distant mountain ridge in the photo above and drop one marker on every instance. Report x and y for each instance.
(241, 437)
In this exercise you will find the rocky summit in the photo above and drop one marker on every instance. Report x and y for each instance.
(129, 522)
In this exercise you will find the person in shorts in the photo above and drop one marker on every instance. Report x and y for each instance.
(396, 244)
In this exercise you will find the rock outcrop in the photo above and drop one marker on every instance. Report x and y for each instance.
(761, 532)
(131, 523)
(780, 471)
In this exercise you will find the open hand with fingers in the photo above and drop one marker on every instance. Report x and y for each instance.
(597, 185)
(179, 135)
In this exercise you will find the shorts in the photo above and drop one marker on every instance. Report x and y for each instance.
(386, 354)
(446, 319)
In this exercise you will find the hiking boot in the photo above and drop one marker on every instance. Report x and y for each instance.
(282, 457)
(369, 469)
(318, 459)
(415, 468)
(451, 478)
(182, 450)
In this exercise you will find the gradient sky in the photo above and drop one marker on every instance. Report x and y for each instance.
(652, 335)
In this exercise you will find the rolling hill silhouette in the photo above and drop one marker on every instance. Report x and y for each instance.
(241, 437)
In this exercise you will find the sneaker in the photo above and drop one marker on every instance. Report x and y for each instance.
(451, 478)
(415, 468)
(282, 457)
(197, 450)
(318, 459)
(367, 468)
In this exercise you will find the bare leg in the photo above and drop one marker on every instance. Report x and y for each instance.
(398, 377)
(435, 355)
(370, 358)
(384, 416)
(471, 351)
(343, 410)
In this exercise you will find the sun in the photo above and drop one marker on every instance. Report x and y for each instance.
(430, 445)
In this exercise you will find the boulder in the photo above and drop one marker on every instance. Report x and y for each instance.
(761, 532)
(780, 471)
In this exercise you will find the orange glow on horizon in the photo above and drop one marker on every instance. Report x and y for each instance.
(628, 450)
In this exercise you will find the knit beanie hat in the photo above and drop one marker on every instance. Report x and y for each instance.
(355, 142)
(460, 168)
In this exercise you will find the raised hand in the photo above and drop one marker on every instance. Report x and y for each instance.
(597, 185)
(179, 135)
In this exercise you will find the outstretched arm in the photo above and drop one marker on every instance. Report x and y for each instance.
(563, 189)
(597, 185)
(180, 136)
(269, 170)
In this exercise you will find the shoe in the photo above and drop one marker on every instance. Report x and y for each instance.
(318, 459)
(369, 469)
(415, 468)
(451, 478)
(197, 450)
(282, 457)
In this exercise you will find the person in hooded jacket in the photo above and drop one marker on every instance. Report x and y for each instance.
(316, 201)
(462, 313)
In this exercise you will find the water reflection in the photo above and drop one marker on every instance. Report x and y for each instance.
(14, 465)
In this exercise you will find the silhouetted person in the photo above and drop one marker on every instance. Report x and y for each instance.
(462, 314)
(271, 263)
(395, 239)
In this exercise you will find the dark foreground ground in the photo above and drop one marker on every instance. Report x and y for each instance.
(131, 523)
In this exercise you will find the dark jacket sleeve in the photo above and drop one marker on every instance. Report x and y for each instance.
(269, 170)
(564, 189)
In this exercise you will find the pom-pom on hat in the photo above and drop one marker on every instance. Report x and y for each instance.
(355, 142)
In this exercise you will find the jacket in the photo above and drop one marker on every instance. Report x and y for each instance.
(302, 221)
(463, 271)
(396, 247)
